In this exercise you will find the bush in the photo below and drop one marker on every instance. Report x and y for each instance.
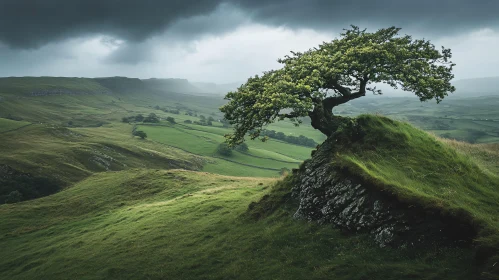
(243, 147)
(14, 197)
(171, 120)
(139, 118)
(152, 118)
(224, 150)
(188, 121)
(209, 123)
(140, 134)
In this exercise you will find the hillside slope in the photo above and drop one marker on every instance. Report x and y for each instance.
(426, 179)
(150, 224)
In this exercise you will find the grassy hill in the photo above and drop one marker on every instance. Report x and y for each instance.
(448, 177)
(151, 224)
(123, 211)
(71, 128)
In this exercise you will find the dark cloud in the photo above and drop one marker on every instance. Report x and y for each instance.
(431, 16)
(33, 23)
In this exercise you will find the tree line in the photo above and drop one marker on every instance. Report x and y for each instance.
(300, 140)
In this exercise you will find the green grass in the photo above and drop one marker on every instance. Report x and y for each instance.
(122, 215)
(72, 154)
(260, 160)
(420, 169)
(147, 224)
(27, 85)
(8, 125)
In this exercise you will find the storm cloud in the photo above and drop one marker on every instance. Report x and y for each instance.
(34, 23)
(223, 40)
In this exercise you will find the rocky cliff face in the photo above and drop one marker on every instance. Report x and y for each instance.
(328, 194)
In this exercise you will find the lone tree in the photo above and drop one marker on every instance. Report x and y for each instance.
(312, 83)
(140, 134)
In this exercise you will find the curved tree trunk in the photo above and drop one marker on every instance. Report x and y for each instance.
(324, 120)
(322, 116)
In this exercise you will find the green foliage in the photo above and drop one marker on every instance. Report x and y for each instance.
(243, 147)
(151, 118)
(300, 140)
(140, 134)
(139, 118)
(16, 185)
(312, 83)
(188, 121)
(170, 120)
(224, 150)
(13, 197)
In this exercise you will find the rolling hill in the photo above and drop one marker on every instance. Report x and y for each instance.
(118, 207)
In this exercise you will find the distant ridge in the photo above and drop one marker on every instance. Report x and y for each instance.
(477, 87)
(117, 84)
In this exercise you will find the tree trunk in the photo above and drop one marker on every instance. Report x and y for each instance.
(324, 120)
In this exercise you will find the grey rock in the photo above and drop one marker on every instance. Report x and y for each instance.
(332, 196)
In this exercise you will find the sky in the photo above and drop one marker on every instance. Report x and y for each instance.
(223, 41)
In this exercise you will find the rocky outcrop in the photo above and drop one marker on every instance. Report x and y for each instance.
(331, 195)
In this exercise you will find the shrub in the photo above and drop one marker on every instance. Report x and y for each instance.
(152, 118)
(139, 118)
(188, 121)
(140, 134)
(243, 147)
(224, 150)
(171, 120)
(14, 197)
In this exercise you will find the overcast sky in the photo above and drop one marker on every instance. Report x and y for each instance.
(223, 41)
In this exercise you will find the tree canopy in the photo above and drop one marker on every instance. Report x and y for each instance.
(312, 83)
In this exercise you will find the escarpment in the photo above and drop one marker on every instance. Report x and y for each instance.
(333, 194)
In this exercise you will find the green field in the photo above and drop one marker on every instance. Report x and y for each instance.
(9, 125)
(474, 120)
(148, 224)
(260, 160)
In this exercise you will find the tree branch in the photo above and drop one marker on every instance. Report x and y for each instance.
(333, 101)
(290, 115)
(342, 90)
